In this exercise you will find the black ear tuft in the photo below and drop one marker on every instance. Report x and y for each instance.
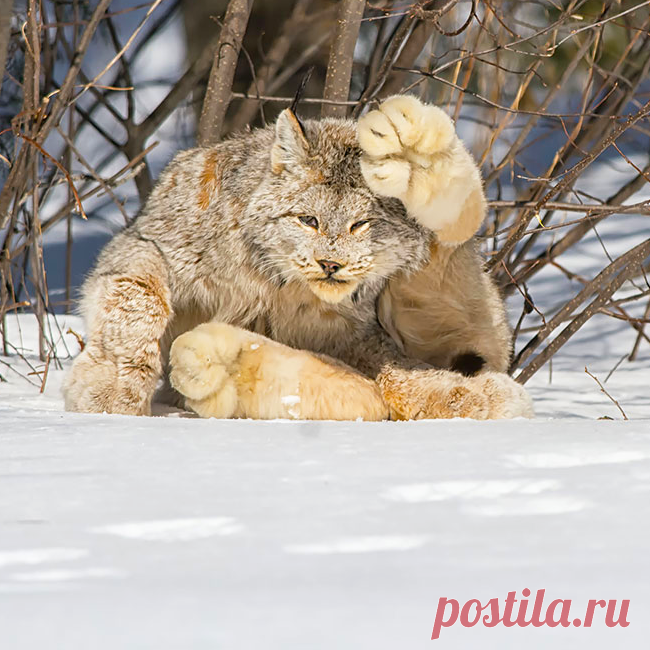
(291, 146)
(298, 96)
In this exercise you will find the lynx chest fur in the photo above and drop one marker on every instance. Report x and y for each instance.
(278, 236)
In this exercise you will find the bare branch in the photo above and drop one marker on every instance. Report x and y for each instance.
(604, 285)
(339, 68)
(5, 31)
(566, 181)
(218, 92)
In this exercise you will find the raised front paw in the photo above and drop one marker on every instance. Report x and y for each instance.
(410, 151)
(398, 139)
(403, 122)
(203, 363)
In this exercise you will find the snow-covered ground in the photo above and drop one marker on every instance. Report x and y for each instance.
(177, 533)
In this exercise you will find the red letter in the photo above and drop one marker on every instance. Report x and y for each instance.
(537, 608)
(564, 616)
(590, 611)
(494, 619)
(440, 612)
(523, 605)
(609, 617)
(507, 612)
(464, 614)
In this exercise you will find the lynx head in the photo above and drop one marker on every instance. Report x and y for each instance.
(316, 220)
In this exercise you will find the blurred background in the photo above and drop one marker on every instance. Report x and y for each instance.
(552, 98)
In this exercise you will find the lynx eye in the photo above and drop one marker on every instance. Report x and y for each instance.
(360, 226)
(311, 222)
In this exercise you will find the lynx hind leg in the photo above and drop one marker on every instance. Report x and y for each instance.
(449, 314)
(126, 315)
(411, 152)
(225, 371)
(433, 394)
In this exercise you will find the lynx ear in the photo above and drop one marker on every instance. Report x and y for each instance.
(290, 146)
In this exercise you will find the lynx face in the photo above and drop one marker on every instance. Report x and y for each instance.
(319, 223)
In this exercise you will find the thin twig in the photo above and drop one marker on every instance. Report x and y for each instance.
(602, 390)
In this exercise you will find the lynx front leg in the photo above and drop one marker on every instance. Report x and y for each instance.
(126, 315)
(225, 371)
(411, 152)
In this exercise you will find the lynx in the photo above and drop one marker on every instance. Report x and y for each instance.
(323, 270)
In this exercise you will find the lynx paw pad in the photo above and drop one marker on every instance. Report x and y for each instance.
(399, 142)
(196, 371)
(403, 123)
(387, 177)
(201, 360)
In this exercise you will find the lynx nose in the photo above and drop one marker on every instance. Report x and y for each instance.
(329, 267)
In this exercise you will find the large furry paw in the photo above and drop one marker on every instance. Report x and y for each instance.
(398, 140)
(403, 125)
(203, 363)
(410, 151)
(224, 371)
(506, 397)
(433, 394)
(95, 384)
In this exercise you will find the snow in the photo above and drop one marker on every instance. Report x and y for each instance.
(292, 402)
(174, 532)
(286, 535)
